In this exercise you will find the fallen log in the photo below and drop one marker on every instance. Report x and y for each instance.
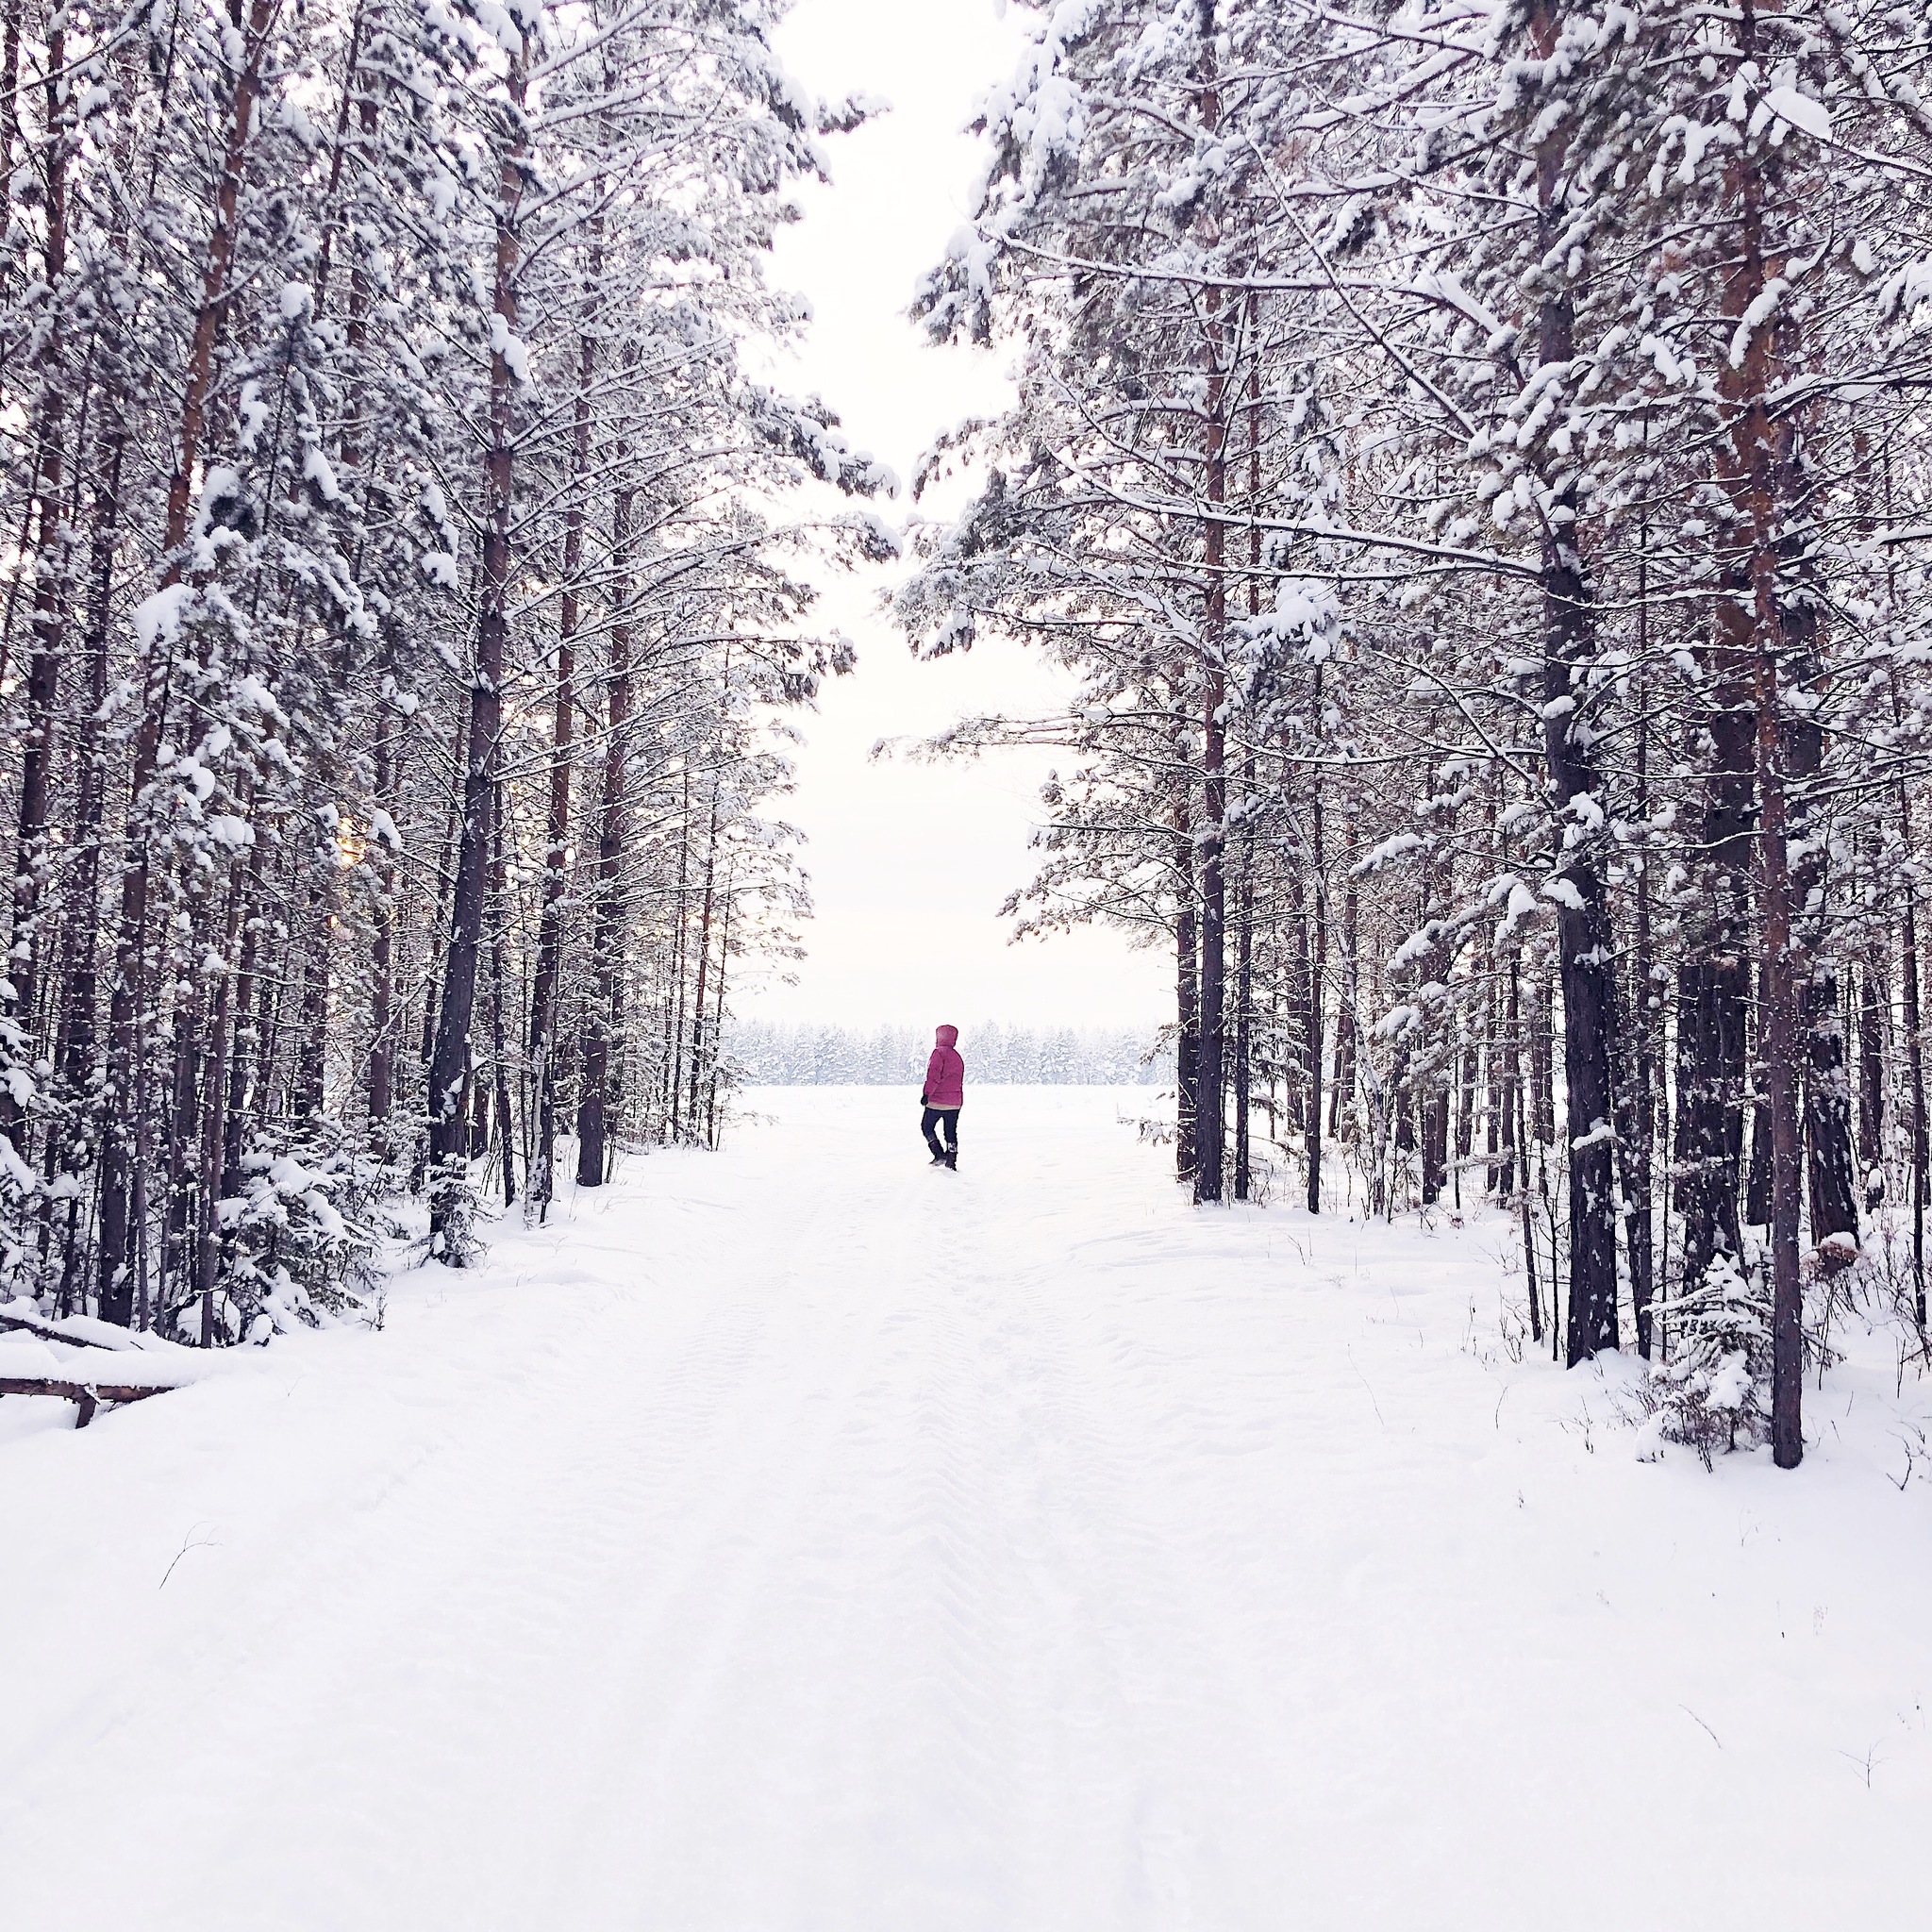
(25, 1324)
(77, 1331)
(86, 1396)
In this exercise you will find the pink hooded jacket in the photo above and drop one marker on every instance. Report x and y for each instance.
(945, 1072)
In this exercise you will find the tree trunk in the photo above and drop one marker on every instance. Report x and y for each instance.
(1583, 938)
(1542, 1049)
(1187, 992)
(1341, 1100)
(499, 1043)
(207, 1233)
(445, 883)
(1318, 966)
(1243, 1018)
(547, 979)
(1922, 1130)
(1752, 637)
(1435, 1149)
(600, 1009)
(1637, 1131)
(1244, 940)
(312, 1023)
(1510, 1084)
(1870, 1085)
(1518, 1124)
(453, 1062)
(673, 1064)
(382, 1015)
(699, 993)
(1210, 1106)
(1209, 1101)
(1782, 1047)
(245, 1027)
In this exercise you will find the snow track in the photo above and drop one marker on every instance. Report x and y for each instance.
(800, 1538)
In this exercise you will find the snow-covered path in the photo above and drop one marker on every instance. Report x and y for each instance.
(798, 1538)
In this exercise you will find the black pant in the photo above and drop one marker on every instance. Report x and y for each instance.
(947, 1117)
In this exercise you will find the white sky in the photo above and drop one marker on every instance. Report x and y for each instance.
(909, 862)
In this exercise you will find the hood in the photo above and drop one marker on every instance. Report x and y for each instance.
(947, 1035)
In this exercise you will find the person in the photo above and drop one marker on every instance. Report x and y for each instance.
(944, 1094)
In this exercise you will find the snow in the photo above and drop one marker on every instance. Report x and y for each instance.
(158, 619)
(1761, 309)
(22, 1356)
(507, 344)
(317, 469)
(231, 833)
(800, 1538)
(1799, 111)
(80, 1349)
(85, 1331)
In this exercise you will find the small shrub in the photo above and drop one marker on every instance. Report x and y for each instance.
(302, 1237)
(1713, 1390)
(454, 1212)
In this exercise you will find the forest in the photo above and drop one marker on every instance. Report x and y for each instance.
(512, 1419)
(1471, 462)
(1465, 462)
(406, 588)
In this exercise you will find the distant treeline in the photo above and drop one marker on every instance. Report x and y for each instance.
(812, 1056)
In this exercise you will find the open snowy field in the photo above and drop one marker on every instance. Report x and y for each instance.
(800, 1538)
